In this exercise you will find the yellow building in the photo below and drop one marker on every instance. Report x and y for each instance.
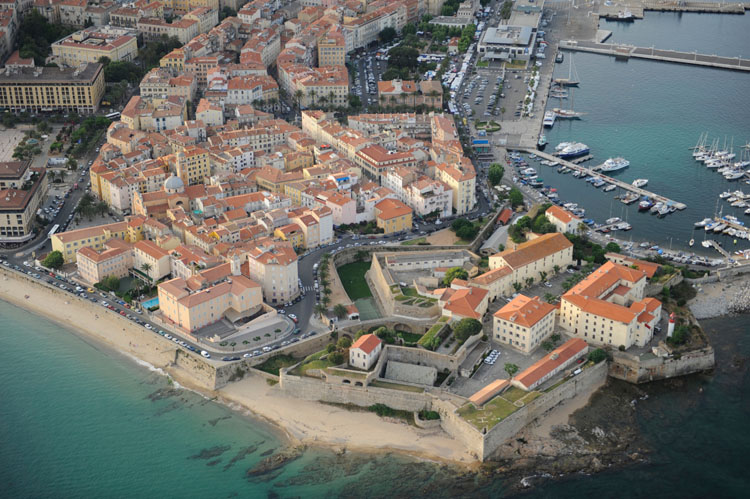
(68, 243)
(392, 215)
(292, 233)
(37, 89)
(183, 6)
(192, 165)
(88, 45)
(524, 323)
(332, 49)
(461, 178)
(115, 259)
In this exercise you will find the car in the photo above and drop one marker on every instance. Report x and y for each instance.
(147, 326)
(226, 359)
(266, 349)
(548, 284)
(284, 343)
(282, 311)
(256, 353)
(205, 354)
(292, 316)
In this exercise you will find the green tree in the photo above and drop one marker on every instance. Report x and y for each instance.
(403, 57)
(331, 348)
(680, 335)
(387, 34)
(319, 309)
(466, 328)
(597, 355)
(511, 369)
(612, 248)
(454, 273)
(516, 197)
(548, 346)
(344, 342)
(339, 310)
(111, 282)
(495, 174)
(517, 286)
(550, 298)
(409, 29)
(336, 358)
(54, 260)
(468, 232)
(226, 12)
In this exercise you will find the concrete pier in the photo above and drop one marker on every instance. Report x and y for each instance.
(619, 183)
(622, 51)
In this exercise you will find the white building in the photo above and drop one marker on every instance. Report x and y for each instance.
(524, 323)
(365, 351)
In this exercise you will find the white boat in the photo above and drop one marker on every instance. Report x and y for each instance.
(568, 114)
(734, 175)
(703, 222)
(549, 118)
(720, 227)
(725, 194)
(563, 145)
(640, 182)
(747, 211)
(692, 242)
(612, 220)
(610, 187)
(614, 164)
(573, 150)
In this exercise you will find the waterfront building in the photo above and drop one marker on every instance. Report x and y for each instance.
(68, 243)
(273, 264)
(542, 254)
(551, 364)
(524, 323)
(609, 308)
(115, 259)
(563, 220)
(150, 261)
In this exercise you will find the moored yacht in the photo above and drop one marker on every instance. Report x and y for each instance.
(640, 182)
(614, 164)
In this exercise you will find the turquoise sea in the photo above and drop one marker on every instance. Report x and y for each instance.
(651, 113)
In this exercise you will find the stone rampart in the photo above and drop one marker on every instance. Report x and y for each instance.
(636, 370)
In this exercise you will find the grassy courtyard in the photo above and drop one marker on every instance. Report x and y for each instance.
(353, 278)
(496, 409)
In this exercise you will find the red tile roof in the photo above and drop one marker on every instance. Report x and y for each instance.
(367, 343)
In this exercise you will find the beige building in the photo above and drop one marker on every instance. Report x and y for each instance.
(150, 260)
(207, 298)
(542, 254)
(22, 191)
(90, 44)
(192, 165)
(524, 323)
(34, 90)
(68, 243)
(114, 259)
(160, 84)
(273, 264)
(608, 308)
(563, 220)
(332, 49)
(461, 178)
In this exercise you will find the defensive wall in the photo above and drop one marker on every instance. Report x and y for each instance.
(635, 369)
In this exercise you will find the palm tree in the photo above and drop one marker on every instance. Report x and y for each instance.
(327, 291)
(311, 101)
(517, 286)
(582, 228)
(340, 310)
(392, 98)
(433, 94)
(320, 309)
(557, 268)
(529, 281)
(146, 268)
(326, 300)
(323, 100)
(542, 276)
(332, 97)
(101, 207)
(298, 94)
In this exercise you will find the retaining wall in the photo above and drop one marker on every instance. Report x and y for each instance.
(636, 370)
(363, 396)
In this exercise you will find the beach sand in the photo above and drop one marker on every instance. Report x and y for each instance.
(302, 421)
(314, 423)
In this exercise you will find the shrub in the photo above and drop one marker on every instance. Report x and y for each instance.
(336, 358)
(426, 415)
(597, 355)
(621, 348)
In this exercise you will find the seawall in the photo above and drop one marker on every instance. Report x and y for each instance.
(637, 370)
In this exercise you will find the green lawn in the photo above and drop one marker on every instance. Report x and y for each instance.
(409, 291)
(409, 337)
(497, 409)
(312, 361)
(274, 364)
(353, 278)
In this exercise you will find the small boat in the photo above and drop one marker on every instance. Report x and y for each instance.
(725, 195)
(549, 119)
(720, 227)
(747, 211)
(610, 187)
(640, 182)
(645, 205)
(559, 57)
(703, 222)
(692, 242)
(614, 164)
(542, 142)
(612, 220)
(655, 208)
(573, 150)
(664, 211)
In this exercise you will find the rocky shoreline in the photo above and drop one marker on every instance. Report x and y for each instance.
(717, 299)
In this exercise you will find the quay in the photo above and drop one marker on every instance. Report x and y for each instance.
(715, 245)
(619, 183)
(622, 51)
(637, 8)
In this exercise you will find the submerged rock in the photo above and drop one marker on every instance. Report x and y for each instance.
(212, 452)
(275, 461)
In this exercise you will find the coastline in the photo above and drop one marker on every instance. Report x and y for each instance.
(297, 421)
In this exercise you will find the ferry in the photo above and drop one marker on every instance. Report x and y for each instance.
(640, 182)
(614, 164)
(549, 118)
(574, 150)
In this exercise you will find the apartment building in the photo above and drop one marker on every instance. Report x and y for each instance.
(524, 323)
(150, 261)
(393, 216)
(68, 243)
(159, 84)
(192, 165)
(22, 191)
(364, 352)
(115, 259)
(608, 308)
(90, 44)
(332, 48)
(376, 160)
(461, 178)
(154, 115)
(200, 301)
(153, 28)
(42, 89)
(273, 264)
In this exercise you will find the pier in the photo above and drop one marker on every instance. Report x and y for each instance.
(715, 245)
(622, 51)
(637, 8)
(619, 183)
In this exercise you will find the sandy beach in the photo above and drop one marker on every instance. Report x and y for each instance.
(302, 421)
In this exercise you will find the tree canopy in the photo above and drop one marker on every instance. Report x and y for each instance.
(403, 57)
(387, 34)
(464, 229)
(339, 310)
(495, 174)
(454, 273)
(36, 35)
(516, 197)
(511, 369)
(466, 328)
(54, 260)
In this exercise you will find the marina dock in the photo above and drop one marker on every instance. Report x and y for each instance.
(622, 51)
(637, 8)
(619, 183)
(715, 245)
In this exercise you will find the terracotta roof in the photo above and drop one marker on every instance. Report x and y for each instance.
(151, 249)
(492, 275)
(525, 311)
(392, 208)
(489, 391)
(548, 363)
(536, 249)
(367, 343)
(560, 214)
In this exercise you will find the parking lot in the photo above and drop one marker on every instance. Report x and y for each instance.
(364, 81)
